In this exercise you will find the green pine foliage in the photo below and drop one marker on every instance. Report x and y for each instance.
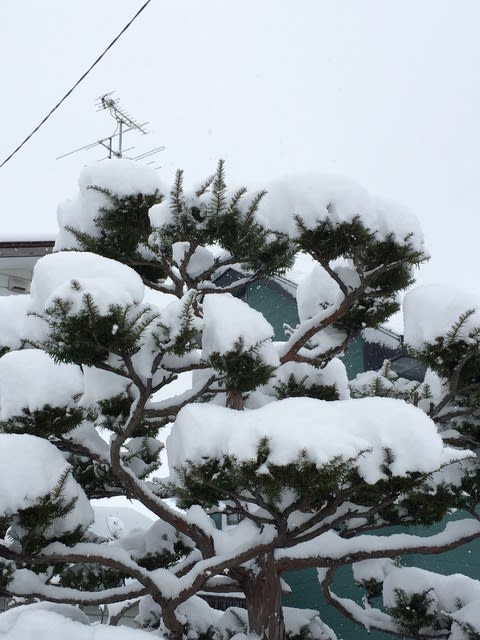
(242, 370)
(385, 383)
(385, 266)
(95, 476)
(86, 576)
(407, 500)
(142, 456)
(119, 214)
(373, 588)
(427, 507)
(114, 411)
(414, 612)
(217, 218)
(455, 357)
(466, 494)
(165, 558)
(30, 526)
(295, 388)
(7, 570)
(46, 422)
(87, 336)
(458, 351)
(184, 337)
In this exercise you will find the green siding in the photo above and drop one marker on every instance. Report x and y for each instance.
(306, 592)
(353, 358)
(280, 308)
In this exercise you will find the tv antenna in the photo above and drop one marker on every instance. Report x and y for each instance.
(114, 142)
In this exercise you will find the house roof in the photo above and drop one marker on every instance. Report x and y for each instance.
(25, 248)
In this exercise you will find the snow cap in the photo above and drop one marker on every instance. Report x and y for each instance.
(108, 281)
(121, 177)
(30, 379)
(431, 310)
(316, 197)
(363, 428)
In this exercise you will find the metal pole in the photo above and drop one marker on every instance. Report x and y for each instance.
(120, 140)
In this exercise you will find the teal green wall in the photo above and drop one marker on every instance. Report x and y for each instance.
(279, 308)
(276, 308)
(306, 592)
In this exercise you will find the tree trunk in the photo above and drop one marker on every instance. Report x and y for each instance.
(172, 623)
(234, 400)
(263, 595)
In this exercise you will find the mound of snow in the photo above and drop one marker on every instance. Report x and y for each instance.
(363, 428)
(449, 590)
(107, 281)
(30, 468)
(431, 310)
(48, 625)
(228, 319)
(30, 379)
(13, 314)
(316, 197)
(120, 177)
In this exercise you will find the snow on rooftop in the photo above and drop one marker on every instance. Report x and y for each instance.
(28, 236)
(115, 521)
(303, 424)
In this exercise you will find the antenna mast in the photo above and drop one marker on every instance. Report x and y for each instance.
(125, 123)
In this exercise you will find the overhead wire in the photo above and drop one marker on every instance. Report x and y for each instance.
(70, 91)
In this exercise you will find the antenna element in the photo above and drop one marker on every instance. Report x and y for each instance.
(125, 123)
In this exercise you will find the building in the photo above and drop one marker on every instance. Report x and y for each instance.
(17, 259)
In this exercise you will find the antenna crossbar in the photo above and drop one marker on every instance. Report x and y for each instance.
(125, 123)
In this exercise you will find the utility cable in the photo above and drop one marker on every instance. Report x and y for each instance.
(76, 84)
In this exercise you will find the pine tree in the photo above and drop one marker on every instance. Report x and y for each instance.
(264, 433)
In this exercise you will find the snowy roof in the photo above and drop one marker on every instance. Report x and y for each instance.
(25, 248)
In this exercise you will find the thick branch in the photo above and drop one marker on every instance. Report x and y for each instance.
(75, 596)
(173, 409)
(453, 383)
(85, 552)
(338, 603)
(301, 336)
(350, 551)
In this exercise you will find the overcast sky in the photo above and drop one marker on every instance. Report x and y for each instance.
(385, 92)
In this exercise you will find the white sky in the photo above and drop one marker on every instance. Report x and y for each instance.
(384, 92)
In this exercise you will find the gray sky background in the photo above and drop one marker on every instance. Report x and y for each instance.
(385, 92)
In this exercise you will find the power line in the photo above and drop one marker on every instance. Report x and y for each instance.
(76, 84)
